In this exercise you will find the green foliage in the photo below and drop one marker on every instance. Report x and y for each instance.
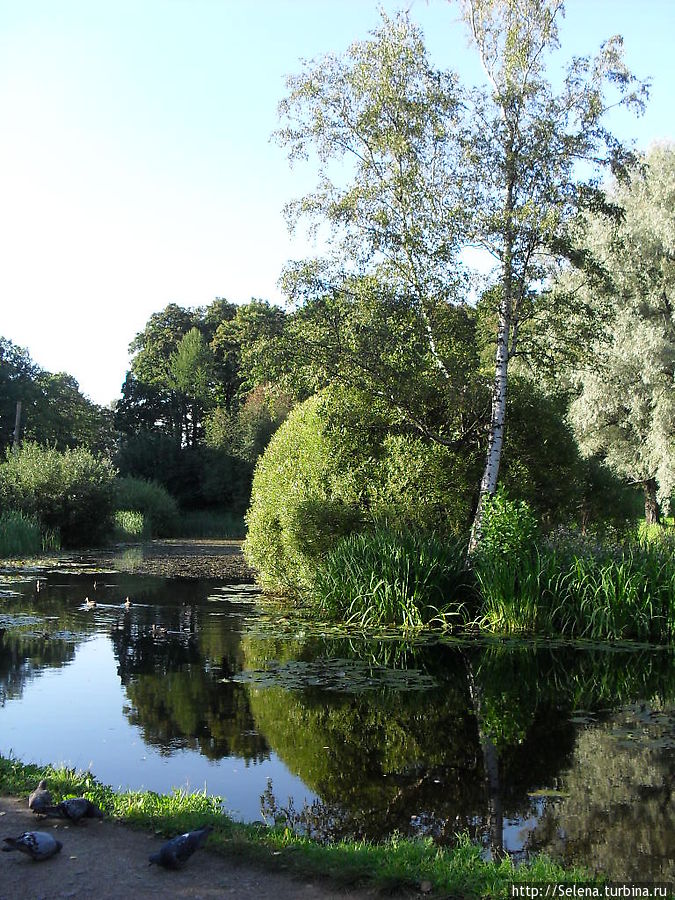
(130, 525)
(392, 577)
(54, 412)
(503, 565)
(509, 527)
(198, 477)
(20, 535)
(625, 406)
(575, 586)
(299, 465)
(69, 492)
(331, 469)
(158, 508)
(397, 863)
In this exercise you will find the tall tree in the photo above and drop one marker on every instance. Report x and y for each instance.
(412, 168)
(625, 408)
(524, 144)
(376, 311)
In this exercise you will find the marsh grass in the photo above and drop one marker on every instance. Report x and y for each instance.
(21, 535)
(393, 865)
(589, 590)
(392, 576)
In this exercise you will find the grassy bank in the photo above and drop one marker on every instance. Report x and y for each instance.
(397, 864)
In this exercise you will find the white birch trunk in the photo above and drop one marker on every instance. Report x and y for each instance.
(488, 484)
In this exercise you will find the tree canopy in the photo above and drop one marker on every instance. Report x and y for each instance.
(625, 404)
(412, 167)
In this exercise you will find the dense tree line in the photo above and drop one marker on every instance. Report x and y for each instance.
(54, 412)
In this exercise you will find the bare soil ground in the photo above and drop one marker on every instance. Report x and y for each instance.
(108, 861)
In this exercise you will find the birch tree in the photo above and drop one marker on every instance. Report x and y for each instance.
(625, 408)
(377, 308)
(413, 166)
(524, 144)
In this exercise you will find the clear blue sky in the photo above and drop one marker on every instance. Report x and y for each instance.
(136, 167)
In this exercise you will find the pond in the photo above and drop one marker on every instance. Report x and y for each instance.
(547, 746)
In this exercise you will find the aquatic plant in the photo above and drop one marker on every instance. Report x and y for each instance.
(21, 535)
(392, 576)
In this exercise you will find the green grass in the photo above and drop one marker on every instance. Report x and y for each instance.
(21, 535)
(582, 590)
(130, 525)
(393, 865)
(211, 524)
(391, 576)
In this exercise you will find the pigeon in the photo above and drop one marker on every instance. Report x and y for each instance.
(40, 798)
(75, 808)
(37, 844)
(178, 850)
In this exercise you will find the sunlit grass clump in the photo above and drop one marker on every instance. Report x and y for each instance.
(390, 576)
(130, 525)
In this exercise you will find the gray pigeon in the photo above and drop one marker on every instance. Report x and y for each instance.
(178, 850)
(40, 798)
(37, 844)
(75, 808)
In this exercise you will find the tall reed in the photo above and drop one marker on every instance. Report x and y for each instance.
(20, 535)
(392, 576)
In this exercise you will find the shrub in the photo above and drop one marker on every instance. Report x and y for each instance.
(297, 475)
(69, 492)
(507, 565)
(326, 474)
(159, 509)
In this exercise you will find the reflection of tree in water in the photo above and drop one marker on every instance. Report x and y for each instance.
(176, 690)
(618, 815)
(23, 657)
(384, 760)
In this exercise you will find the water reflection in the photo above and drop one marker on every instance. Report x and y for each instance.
(561, 748)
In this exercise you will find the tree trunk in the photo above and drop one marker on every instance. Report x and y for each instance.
(488, 483)
(652, 512)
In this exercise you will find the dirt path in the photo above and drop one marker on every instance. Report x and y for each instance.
(107, 861)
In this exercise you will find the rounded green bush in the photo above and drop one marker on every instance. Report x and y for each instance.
(328, 473)
(69, 492)
(159, 509)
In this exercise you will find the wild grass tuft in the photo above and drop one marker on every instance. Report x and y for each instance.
(130, 525)
(391, 576)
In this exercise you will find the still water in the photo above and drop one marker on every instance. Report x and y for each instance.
(565, 748)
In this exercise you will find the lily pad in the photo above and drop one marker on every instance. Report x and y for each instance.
(349, 676)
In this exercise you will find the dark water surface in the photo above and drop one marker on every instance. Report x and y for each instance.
(564, 748)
